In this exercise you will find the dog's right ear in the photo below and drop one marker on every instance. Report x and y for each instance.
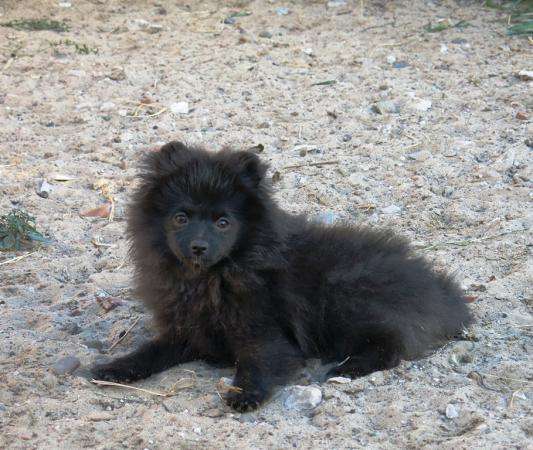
(169, 158)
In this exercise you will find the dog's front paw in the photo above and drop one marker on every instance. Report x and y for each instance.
(245, 401)
(116, 373)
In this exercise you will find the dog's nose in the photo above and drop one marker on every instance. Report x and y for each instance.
(199, 247)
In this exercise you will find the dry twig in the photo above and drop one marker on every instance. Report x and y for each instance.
(17, 258)
(121, 338)
(313, 164)
(168, 393)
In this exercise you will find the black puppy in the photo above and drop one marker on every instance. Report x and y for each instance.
(232, 279)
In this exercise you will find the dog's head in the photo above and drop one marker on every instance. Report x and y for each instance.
(201, 206)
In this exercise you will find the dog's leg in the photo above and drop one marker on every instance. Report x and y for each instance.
(152, 357)
(378, 350)
(261, 365)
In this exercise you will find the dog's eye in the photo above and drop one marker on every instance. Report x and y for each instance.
(180, 219)
(222, 223)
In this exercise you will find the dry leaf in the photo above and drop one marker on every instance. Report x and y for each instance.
(102, 211)
(470, 298)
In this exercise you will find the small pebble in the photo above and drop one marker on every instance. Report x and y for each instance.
(422, 105)
(99, 416)
(386, 106)
(421, 155)
(339, 380)
(107, 106)
(303, 397)
(451, 411)
(521, 115)
(525, 75)
(391, 209)
(117, 74)
(66, 365)
(282, 11)
(45, 189)
(400, 65)
(265, 34)
(230, 20)
(213, 412)
(336, 3)
(391, 59)
(180, 108)
(346, 137)
(357, 180)
(49, 380)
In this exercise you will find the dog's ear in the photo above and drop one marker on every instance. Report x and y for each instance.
(168, 158)
(249, 167)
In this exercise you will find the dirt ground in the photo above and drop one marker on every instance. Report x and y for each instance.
(427, 133)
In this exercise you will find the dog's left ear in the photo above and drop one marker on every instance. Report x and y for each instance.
(249, 167)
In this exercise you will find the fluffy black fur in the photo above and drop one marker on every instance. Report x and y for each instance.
(232, 279)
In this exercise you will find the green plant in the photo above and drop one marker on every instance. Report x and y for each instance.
(519, 14)
(36, 25)
(18, 230)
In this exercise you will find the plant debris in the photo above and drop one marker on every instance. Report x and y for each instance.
(519, 15)
(81, 49)
(18, 230)
(37, 25)
(325, 83)
(444, 25)
(103, 211)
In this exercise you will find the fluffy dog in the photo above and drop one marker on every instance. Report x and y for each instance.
(232, 279)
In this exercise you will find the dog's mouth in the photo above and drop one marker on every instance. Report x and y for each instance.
(197, 264)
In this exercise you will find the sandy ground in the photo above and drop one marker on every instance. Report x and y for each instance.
(428, 133)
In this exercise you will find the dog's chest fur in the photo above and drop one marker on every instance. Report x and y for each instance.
(206, 312)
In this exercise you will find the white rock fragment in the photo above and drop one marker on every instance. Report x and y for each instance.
(391, 209)
(391, 59)
(339, 380)
(525, 75)
(443, 49)
(336, 3)
(77, 73)
(303, 397)
(107, 106)
(357, 180)
(144, 25)
(422, 105)
(180, 108)
(44, 189)
(451, 411)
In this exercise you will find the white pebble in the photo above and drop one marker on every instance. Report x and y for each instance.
(451, 411)
(303, 397)
(180, 108)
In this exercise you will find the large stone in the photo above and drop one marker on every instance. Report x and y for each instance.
(66, 365)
